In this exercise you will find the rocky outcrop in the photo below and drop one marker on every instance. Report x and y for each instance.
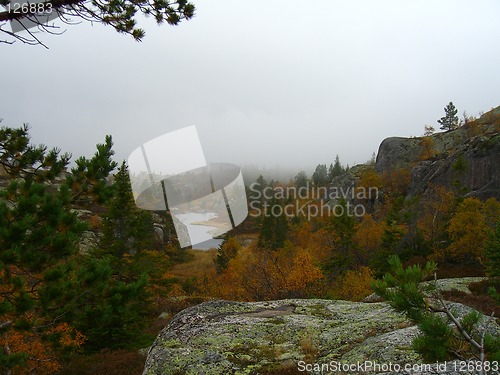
(474, 168)
(222, 337)
(466, 159)
(461, 284)
(397, 152)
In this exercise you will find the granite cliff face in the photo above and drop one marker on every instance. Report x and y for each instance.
(465, 159)
(474, 167)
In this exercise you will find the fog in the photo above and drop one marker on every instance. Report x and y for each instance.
(275, 84)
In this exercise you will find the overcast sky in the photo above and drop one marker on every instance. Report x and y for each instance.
(276, 83)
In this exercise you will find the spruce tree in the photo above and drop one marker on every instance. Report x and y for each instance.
(227, 250)
(337, 167)
(260, 186)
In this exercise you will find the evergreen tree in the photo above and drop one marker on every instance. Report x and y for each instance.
(116, 300)
(227, 250)
(113, 310)
(274, 229)
(438, 341)
(335, 169)
(392, 237)
(493, 252)
(37, 231)
(44, 280)
(260, 186)
(261, 183)
(342, 228)
(373, 159)
(120, 15)
(450, 120)
(127, 229)
(300, 180)
(330, 172)
(88, 181)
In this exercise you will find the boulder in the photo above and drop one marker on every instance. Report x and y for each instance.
(223, 337)
(89, 240)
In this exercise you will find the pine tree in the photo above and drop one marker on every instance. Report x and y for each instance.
(37, 232)
(44, 281)
(493, 252)
(116, 300)
(274, 229)
(342, 228)
(121, 16)
(261, 185)
(127, 229)
(300, 180)
(88, 181)
(450, 120)
(405, 291)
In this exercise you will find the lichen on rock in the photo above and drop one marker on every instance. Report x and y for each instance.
(224, 337)
(244, 338)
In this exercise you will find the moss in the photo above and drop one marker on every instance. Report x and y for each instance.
(320, 310)
(173, 343)
(276, 320)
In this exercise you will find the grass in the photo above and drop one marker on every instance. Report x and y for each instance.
(309, 348)
(199, 262)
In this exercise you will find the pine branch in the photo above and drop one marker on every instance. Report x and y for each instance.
(447, 311)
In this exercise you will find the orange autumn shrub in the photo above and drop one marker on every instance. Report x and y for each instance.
(41, 354)
(356, 284)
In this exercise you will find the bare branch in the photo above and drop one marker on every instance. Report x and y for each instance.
(483, 334)
(447, 311)
(119, 14)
